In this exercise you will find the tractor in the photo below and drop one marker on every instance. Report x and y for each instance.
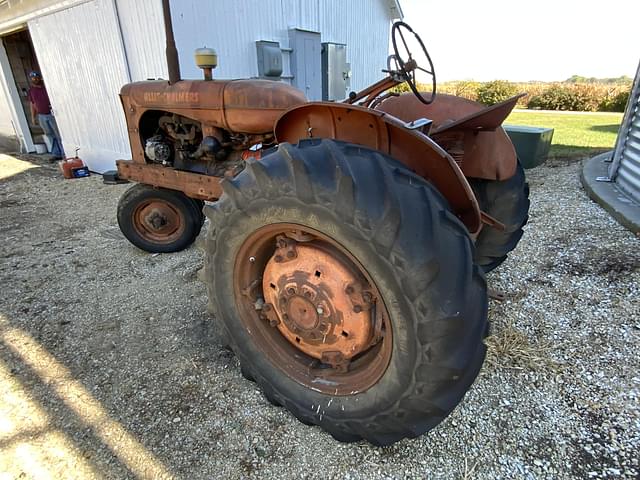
(348, 242)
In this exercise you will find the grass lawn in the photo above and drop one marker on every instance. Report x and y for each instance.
(576, 135)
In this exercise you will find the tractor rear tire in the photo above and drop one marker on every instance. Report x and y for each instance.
(199, 205)
(393, 227)
(508, 202)
(159, 220)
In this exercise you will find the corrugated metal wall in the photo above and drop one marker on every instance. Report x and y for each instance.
(14, 119)
(6, 127)
(142, 29)
(625, 167)
(232, 28)
(364, 26)
(82, 58)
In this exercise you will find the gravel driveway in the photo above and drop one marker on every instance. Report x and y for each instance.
(109, 367)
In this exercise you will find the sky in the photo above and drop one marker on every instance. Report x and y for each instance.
(528, 40)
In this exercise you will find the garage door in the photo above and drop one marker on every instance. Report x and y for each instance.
(84, 86)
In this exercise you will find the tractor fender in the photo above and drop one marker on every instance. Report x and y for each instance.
(387, 134)
(488, 154)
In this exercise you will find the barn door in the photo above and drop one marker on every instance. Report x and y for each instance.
(81, 55)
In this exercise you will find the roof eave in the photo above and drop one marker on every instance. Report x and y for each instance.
(395, 10)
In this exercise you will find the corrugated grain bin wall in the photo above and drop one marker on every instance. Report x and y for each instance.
(625, 168)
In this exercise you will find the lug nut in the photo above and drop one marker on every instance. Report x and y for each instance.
(357, 308)
(252, 259)
(279, 258)
(320, 310)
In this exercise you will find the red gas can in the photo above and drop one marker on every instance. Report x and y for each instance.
(73, 168)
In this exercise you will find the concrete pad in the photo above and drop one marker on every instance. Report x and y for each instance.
(608, 194)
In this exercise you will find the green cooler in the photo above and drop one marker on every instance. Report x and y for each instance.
(531, 143)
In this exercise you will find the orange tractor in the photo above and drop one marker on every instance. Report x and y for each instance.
(347, 242)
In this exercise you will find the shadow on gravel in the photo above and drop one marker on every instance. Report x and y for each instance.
(594, 261)
(14, 168)
(55, 415)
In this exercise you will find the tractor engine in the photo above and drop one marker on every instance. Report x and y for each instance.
(158, 150)
(178, 142)
(203, 126)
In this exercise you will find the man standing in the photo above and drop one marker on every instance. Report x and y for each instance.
(41, 113)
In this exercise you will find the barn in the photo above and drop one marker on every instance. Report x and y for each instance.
(87, 49)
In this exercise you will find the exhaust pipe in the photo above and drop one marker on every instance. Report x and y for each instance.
(172, 51)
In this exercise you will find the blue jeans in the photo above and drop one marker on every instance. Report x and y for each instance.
(48, 124)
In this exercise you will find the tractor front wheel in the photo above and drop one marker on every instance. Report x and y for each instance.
(347, 289)
(159, 220)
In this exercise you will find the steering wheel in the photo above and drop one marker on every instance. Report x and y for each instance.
(408, 64)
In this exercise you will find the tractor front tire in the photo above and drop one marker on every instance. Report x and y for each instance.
(159, 220)
(508, 202)
(282, 238)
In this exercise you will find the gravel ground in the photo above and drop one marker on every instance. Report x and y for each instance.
(109, 367)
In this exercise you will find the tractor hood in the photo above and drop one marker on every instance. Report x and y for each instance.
(243, 106)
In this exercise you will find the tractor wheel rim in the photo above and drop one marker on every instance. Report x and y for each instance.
(158, 221)
(312, 309)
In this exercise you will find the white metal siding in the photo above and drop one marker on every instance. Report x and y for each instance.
(232, 27)
(364, 26)
(16, 14)
(81, 55)
(142, 27)
(16, 115)
(6, 127)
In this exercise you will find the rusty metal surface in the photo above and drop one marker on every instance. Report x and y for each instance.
(312, 309)
(480, 154)
(171, 51)
(241, 106)
(310, 293)
(377, 130)
(489, 118)
(445, 108)
(493, 222)
(370, 93)
(193, 185)
(158, 221)
(496, 295)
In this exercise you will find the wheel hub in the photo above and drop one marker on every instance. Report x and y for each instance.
(158, 221)
(317, 302)
(311, 309)
(301, 312)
